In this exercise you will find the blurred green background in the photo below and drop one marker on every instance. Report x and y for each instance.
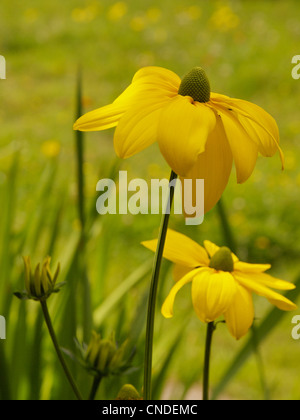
(246, 48)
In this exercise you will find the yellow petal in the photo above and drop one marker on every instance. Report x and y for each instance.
(214, 166)
(243, 148)
(248, 281)
(167, 308)
(147, 82)
(269, 281)
(260, 125)
(211, 248)
(183, 131)
(180, 271)
(212, 293)
(251, 268)
(100, 119)
(138, 127)
(181, 250)
(239, 316)
(158, 77)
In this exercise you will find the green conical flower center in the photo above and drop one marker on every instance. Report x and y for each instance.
(222, 260)
(196, 85)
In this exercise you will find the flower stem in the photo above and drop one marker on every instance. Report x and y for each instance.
(95, 386)
(153, 293)
(58, 351)
(210, 330)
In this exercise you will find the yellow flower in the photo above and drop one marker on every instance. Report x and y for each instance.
(221, 283)
(200, 133)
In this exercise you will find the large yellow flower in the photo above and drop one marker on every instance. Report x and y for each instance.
(221, 283)
(199, 133)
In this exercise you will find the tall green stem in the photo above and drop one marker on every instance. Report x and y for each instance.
(153, 294)
(81, 258)
(80, 154)
(210, 330)
(58, 351)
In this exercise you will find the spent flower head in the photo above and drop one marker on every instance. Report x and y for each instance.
(200, 133)
(221, 283)
(40, 283)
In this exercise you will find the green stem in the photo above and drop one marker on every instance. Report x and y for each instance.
(95, 386)
(80, 155)
(210, 330)
(58, 351)
(153, 293)
(85, 285)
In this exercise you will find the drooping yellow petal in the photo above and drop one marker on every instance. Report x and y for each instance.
(214, 166)
(240, 314)
(270, 281)
(212, 293)
(243, 148)
(167, 308)
(183, 131)
(158, 77)
(246, 280)
(259, 124)
(138, 127)
(149, 82)
(180, 271)
(251, 268)
(101, 119)
(181, 250)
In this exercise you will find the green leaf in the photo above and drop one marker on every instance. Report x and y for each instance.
(114, 298)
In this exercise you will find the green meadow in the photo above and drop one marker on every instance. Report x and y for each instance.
(49, 173)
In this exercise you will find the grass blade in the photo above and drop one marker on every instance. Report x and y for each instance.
(261, 333)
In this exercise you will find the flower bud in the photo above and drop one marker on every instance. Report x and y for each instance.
(39, 283)
(103, 357)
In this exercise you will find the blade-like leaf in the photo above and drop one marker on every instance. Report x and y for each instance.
(262, 331)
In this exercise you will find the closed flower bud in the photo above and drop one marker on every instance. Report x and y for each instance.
(40, 283)
(103, 357)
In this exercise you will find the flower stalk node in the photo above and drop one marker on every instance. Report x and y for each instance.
(222, 260)
(196, 85)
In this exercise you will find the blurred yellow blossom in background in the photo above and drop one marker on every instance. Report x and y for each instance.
(85, 14)
(224, 19)
(117, 11)
(51, 148)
